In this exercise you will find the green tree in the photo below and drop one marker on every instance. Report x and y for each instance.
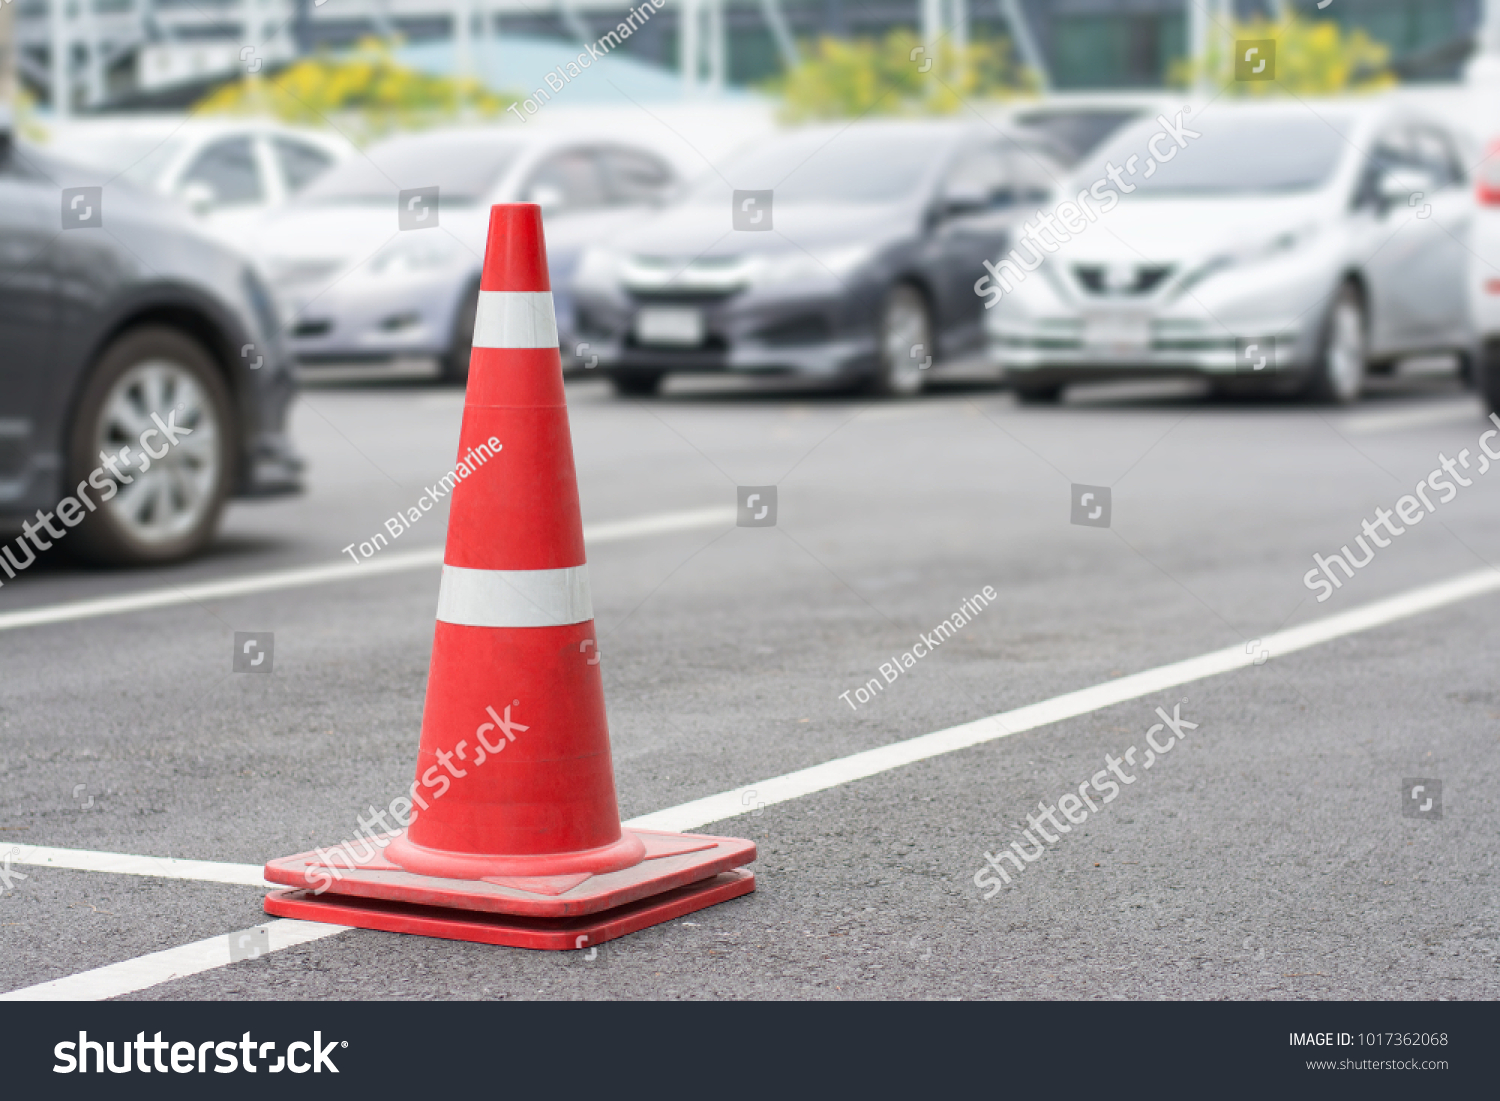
(367, 93)
(897, 75)
(1312, 58)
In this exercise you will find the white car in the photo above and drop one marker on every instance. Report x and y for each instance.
(1485, 284)
(379, 261)
(228, 172)
(1268, 247)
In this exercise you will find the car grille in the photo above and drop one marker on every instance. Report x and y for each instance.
(804, 329)
(1128, 279)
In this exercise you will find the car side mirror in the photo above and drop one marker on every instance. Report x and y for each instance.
(198, 196)
(960, 200)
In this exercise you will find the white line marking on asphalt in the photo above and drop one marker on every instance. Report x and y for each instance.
(612, 531)
(117, 979)
(844, 770)
(86, 860)
(830, 774)
(1446, 413)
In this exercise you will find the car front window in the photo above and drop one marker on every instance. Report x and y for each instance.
(1267, 155)
(463, 168)
(850, 166)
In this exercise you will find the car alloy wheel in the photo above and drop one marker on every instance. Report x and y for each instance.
(170, 497)
(1340, 373)
(168, 494)
(905, 343)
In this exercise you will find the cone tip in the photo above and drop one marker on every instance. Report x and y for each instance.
(515, 255)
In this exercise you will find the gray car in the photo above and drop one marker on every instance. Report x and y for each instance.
(846, 253)
(379, 260)
(142, 382)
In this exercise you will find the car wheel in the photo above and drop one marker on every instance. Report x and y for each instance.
(455, 362)
(1489, 375)
(1037, 395)
(151, 508)
(637, 384)
(905, 341)
(1338, 376)
(1468, 369)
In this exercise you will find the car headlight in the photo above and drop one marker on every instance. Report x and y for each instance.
(1263, 250)
(598, 270)
(802, 267)
(408, 256)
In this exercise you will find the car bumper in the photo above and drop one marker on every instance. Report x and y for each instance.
(272, 468)
(825, 336)
(1057, 348)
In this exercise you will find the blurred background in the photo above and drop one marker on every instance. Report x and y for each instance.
(905, 142)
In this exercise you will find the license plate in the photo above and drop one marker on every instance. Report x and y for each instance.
(679, 327)
(1117, 334)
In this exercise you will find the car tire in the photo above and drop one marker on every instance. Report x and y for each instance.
(454, 366)
(1338, 374)
(1037, 395)
(1489, 375)
(904, 339)
(170, 510)
(637, 384)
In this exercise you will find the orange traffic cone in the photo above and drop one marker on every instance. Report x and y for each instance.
(514, 835)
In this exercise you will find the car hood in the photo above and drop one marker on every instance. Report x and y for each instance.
(1185, 232)
(707, 231)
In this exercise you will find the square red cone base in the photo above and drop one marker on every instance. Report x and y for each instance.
(510, 930)
(681, 872)
(672, 860)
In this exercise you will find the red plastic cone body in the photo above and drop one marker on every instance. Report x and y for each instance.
(514, 785)
(545, 804)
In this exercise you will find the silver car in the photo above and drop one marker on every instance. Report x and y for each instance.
(379, 260)
(1290, 247)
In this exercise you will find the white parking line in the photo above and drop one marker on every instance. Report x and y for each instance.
(175, 963)
(830, 774)
(1368, 424)
(612, 531)
(87, 860)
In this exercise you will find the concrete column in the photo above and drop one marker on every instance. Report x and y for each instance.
(60, 49)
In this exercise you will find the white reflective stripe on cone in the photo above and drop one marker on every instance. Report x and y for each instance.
(515, 319)
(514, 598)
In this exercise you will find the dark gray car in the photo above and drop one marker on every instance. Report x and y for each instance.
(847, 253)
(142, 381)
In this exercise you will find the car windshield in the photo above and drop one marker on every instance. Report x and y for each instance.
(1263, 155)
(848, 166)
(139, 158)
(464, 168)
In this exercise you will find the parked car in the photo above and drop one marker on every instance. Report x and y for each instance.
(357, 288)
(228, 172)
(1291, 247)
(138, 354)
(1484, 283)
(845, 253)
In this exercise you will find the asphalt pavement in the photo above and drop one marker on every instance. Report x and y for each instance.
(1267, 855)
